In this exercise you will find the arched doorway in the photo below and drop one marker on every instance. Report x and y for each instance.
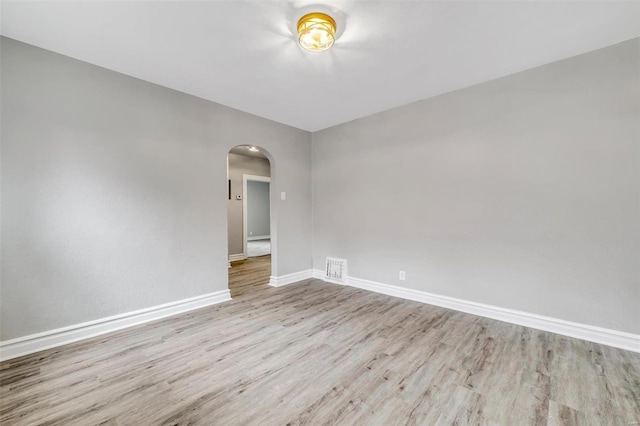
(251, 234)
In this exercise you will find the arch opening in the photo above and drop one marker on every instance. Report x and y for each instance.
(251, 229)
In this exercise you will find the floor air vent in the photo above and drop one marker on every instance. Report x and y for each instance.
(336, 270)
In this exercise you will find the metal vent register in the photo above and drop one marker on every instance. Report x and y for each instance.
(335, 270)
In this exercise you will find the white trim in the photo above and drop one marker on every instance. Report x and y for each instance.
(290, 278)
(62, 336)
(246, 178)
(319, 274)
(617, 339)
(239, 256)
(259, 237)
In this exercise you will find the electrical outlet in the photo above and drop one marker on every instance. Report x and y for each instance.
(402, 276)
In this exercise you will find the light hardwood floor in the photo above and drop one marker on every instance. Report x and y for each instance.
(317, 353)
(246, 275)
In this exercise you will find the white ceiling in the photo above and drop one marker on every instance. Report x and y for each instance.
(389, 53)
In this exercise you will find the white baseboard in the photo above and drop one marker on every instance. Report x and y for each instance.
(259, 237)
(290, 278)
(239, 256)
(62, 336)
(319, 274)
(617, 339)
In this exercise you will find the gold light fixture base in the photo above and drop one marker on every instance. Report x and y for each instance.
(316, 31)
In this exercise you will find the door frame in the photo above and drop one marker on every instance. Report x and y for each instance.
(245, 179)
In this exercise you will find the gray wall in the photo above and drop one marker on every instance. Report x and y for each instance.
(522, 192)
(257, 208)
(114, 192)
(239, 165)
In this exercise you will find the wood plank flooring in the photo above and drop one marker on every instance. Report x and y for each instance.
(245, 275)
(317, 353)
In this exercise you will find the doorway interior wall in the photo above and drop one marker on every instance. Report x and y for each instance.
(245, 208)
(246, 163)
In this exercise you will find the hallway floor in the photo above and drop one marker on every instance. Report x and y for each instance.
(246, 275)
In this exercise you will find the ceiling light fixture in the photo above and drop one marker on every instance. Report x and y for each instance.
(253, 149)
(316, 31)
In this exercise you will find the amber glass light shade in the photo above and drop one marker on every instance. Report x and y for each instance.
(316, 32)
